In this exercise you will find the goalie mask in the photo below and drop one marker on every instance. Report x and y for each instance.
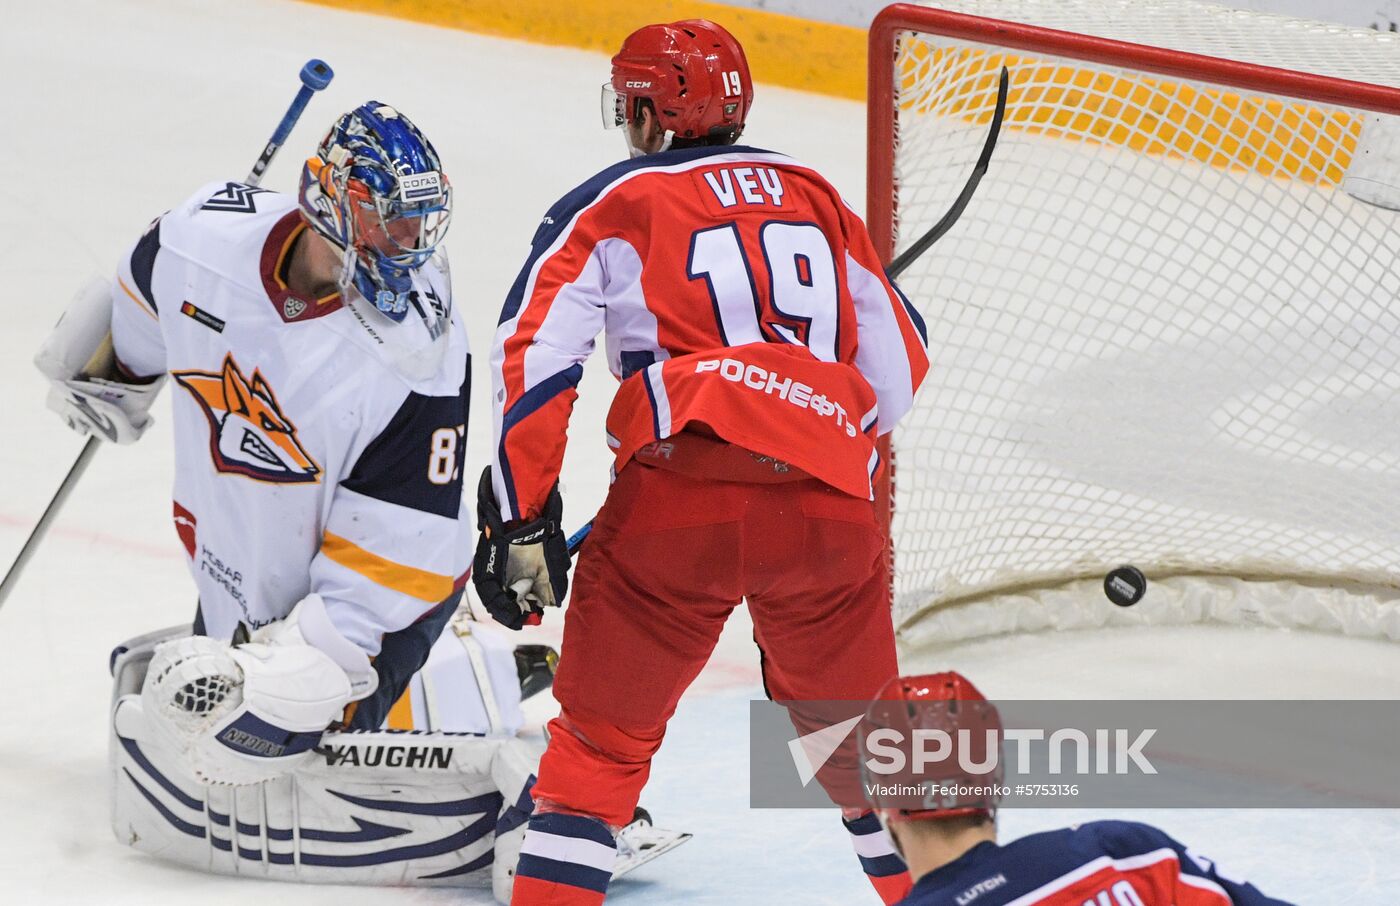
(375, 189)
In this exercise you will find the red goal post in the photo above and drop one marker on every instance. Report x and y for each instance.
(1021, 41)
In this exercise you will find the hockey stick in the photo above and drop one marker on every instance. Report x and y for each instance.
(315, 75)
(902, 261)
(936, 232)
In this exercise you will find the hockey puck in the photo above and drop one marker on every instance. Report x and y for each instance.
(1125, 586)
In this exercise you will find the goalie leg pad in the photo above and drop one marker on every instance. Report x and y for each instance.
(383, 807)
(377, 808)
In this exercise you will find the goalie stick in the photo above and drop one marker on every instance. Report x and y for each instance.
(936, 232)
(315, 75)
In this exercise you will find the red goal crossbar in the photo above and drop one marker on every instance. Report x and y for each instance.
(881, 110)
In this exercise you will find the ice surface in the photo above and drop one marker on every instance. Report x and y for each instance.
(117, 109)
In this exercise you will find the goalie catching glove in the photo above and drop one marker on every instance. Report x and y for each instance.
(519, 571)
(247, 713)
(77, 359)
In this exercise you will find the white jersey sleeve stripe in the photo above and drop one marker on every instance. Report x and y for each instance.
(881, 356)
(660, 402)
(574, 319)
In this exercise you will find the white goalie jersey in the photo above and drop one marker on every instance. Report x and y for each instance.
(319, 444)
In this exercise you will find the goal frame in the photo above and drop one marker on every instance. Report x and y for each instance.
(882, 116)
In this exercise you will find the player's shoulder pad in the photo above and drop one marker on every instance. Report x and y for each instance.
(562, 213)
(233, 198)
(221, 213)
(589, 191)
(142, 263)
(416, 460)
(1126, 838)
(1035, 860)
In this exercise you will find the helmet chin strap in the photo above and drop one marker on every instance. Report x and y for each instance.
(373, 293)
(634, 152)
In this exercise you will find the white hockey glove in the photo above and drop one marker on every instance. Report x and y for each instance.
(247, 713)
(80, 346)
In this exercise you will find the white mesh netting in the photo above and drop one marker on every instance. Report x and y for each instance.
(1161, 333)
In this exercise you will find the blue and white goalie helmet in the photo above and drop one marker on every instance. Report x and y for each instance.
(376, 191)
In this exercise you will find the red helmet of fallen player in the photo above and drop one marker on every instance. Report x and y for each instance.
(935, 701)
(694, 74)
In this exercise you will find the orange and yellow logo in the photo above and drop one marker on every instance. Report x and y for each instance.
(249, 434)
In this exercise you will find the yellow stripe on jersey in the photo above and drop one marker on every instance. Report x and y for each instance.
(401, 714)
(409, 580)
(140, 303)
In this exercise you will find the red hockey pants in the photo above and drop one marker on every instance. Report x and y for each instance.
(669, 558)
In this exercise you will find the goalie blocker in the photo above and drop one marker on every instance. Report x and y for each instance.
(443, 804)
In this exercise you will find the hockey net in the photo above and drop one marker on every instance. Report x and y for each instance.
(1165, 332)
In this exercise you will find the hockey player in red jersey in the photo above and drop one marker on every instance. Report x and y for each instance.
(761, 351)
(952, 851)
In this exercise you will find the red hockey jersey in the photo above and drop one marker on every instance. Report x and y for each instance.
(735, 288)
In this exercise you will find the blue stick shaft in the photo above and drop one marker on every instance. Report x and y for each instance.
(315, 75)
(293, 114)
(576, 539)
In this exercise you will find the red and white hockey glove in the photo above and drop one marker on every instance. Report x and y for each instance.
(519, 571)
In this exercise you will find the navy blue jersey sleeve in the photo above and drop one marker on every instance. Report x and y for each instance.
(415, 462)
(137, 339)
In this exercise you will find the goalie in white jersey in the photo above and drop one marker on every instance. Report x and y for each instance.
(320, 382)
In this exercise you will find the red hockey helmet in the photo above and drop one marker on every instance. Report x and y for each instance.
(694, 74)
(946, 702)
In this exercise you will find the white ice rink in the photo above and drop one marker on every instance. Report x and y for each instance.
(115, 110)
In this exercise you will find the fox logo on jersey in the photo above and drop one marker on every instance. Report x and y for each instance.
(249, 435)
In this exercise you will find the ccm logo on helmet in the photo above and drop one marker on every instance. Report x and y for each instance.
(638, 85)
